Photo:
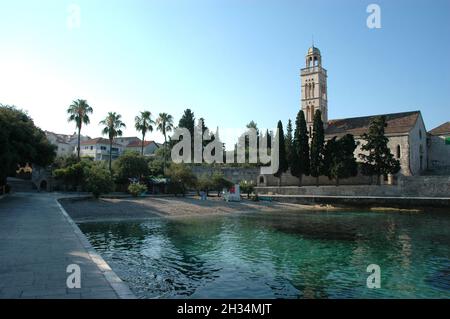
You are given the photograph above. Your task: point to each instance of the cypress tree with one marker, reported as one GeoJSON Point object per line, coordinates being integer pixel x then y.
{"type": "Point", "coordinates": [283, 164]}
{"type": "Point", "coordinates": [378, 159]}
{"type": "Point", "coordinates": [299, 157]}
{"type": "Point", "coordinates": [288, 141]}
{"type": "Point", "coordinates": [317, 144]}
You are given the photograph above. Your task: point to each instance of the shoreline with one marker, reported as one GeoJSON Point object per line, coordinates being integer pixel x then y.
{"type": "Point", "coordinates": [84, 210]}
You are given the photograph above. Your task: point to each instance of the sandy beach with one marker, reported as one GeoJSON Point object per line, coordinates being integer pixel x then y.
{"type": "Point", "coordinates": [139, 208]}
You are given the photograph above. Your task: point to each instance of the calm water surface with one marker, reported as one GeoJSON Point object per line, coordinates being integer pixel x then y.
{"type": "Point", "coordinates": [283, 255]}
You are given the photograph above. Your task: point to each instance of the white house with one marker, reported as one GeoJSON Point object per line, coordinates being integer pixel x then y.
{"type": "Point", "coordinates": [66, 144]}
{"type": "Point", "coordinates": [98, 149]}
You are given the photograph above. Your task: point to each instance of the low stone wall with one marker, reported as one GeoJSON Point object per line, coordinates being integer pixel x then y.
{"type": "Point", "coordinates": [234, 174]}
{"type": "Point", "coordinates": [416, 186]}
{"type": "Point", "coordinates": [288, 180]}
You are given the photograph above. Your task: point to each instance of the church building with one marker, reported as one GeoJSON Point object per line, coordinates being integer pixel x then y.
{"type": "Point", "coordinates": [406, 131]}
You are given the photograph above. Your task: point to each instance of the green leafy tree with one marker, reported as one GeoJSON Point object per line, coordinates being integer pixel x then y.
{"type": "Point", "coordinates": [98, 180]}
{"type": "Point", "coordinates": [155, 166]}
{"type": "Point", "coordinates": [164, 125]}
{"type": "Point", "coordinates": [21, 142]}
{"type": "Point", "coordinates": [73, 175]}
{"type": "Point", "coordinates": [299, 158]}
{"type": "Point", "coordinates": [181, 178]}
{"type": "Point", "coordinates": [317, 145]}
{"type": "Point", "coordinates": [339, 160]}
{"type": "Point", "coordinates": [220, 182]}
{"type": "Point", "coordinates": [282, 160]}
{"type": "Point", "coordinates": [204, 183]}
{"type": "Point", "coordinates": [377, 157]}
{"type": "Point", "coordinates": [130, 165]}
{"type": "Point", "coordinates": [112, 127]}
{"type": "Point", "coordinates": [144, 124]}
{"type": "Point", "coordinates": [79, 112]}
{"type": "Point", "coordinates": [247, 187]}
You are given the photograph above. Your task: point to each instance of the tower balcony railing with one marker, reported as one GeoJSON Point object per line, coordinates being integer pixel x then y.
{"type": "Point", "coordinates": [312, 69]}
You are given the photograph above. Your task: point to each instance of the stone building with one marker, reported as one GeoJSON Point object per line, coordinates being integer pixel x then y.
{"type": "Point", "coordinates": [65, 144]}
{"type": "Point", "coordinates": [439, 146]}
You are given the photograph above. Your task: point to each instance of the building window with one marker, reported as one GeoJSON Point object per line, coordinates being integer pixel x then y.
{"type": "Point", "coordinates": [398, 151]}
{"type": "Point", "coordinates": [92, 147]}
{"type": "Point", "coordinates": [103, 148]}
{"type": "Point", "coordinates": [420, 134]}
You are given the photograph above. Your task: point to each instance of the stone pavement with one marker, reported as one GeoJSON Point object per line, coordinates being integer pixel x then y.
{"type": "Point", "coordinates": [38, 240]}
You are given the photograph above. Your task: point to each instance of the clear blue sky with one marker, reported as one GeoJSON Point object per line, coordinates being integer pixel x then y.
{"type": "Point", "coordinates": [229, 61]}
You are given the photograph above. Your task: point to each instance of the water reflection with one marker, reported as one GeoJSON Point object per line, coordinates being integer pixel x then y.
{"type": "Point", "coordinates": [284, 255]}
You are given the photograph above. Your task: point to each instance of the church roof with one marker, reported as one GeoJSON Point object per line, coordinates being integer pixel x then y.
{"type": "Point", "coordinates": [441, 129]}
{"type": "Point", "coordinates": [397, 123]}
{"type": "Point", "coordinates": [313, 50]}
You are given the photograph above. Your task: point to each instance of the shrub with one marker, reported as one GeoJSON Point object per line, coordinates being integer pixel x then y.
{"type": "Point", "coordinates": [98, 180]}
{"type": "Point", "coordinates": [74, 174]}
{"type": "Point", "coordinates": [136, 189]}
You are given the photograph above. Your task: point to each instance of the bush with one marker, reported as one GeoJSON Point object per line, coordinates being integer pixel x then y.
{"type": "Point", "coordinates": [74, 174]}
{"type": "Point", "coordinates": [136, 189]}
{"type": "Point", "coordinates": [98, 180]}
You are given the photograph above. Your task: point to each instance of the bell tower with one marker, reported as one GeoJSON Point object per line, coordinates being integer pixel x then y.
{"type": "Point", "coordinates": [314, 88]}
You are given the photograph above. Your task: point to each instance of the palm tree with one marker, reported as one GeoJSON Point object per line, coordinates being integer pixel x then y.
{"type": "Point", "coordinates": [78, 111]}
{"type": "Point", "coordinates": [113, 128]}
{"type": "Point", "coordinates": [164, 124]}
{"type": "Point", "coordinates": [143, 124]}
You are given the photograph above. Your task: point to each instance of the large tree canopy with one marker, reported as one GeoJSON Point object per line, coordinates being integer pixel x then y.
{"type": "Point", "coordinates": [21, 142]}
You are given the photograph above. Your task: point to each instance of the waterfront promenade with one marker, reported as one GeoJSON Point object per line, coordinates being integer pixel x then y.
{"type": "Point", "coordinates": [37, 243]}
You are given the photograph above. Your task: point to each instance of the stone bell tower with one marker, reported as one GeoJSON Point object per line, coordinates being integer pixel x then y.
{"type": "Point", "coordinates": [314, 88]}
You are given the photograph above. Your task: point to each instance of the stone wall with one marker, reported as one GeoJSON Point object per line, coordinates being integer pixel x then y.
{"type": "Point", "coordinates": [439, 154]}
{"type": "Point", "coordinates": [420, 186]}
{"type": "Point", "coordinates": [234, 174]}
{"type": "Point", "coordinates": [288, 180]}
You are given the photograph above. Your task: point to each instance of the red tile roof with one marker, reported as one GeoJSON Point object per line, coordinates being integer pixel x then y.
{"type": "Point", "coordinates": [98, 140]}
{"type": "Point", "coordinates": [441, 129]}
{"type": "Point", "coordinates": [397, 123]}
{"type": "Point", "coordinates": [139, 143]}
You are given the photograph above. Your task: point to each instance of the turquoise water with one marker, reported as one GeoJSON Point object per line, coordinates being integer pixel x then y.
{"type": "Point", "coordinates": [282, 255]}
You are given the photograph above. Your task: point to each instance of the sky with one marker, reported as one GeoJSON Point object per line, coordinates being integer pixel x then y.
{"type": "Point", "coordinates": [229, 61]}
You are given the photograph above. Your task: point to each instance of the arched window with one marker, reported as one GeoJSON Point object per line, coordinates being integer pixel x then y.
{"type": "Point", "coordinates": [312, 89]}
{"type": "Point", "coordinates": [420, 134]}
{"type": "Point", "coordinates": [398, 151]}
{"type": "Point", "coordinates": [312, 113]}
